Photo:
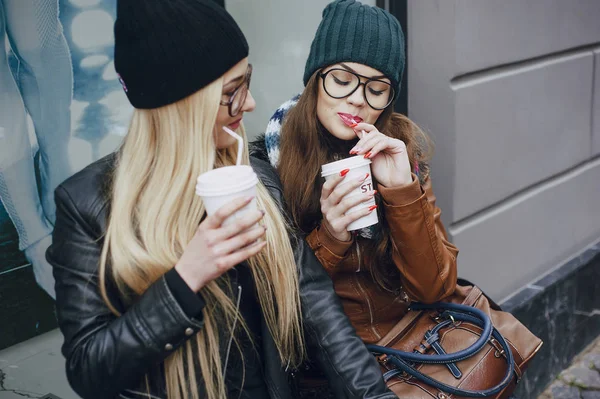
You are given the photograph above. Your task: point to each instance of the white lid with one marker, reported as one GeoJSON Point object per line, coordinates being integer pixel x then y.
{"type": "Point", "coordinates": [348, 163]}
{"type": "Point", "coordinates": [225, 180]}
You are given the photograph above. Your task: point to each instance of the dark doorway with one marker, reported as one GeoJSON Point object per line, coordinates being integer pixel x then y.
{"type": "Point", "coordinates": [398, 8]}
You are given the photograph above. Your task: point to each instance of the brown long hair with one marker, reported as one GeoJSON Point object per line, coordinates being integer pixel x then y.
{"type": "Point", "coordinates": [306, 145]}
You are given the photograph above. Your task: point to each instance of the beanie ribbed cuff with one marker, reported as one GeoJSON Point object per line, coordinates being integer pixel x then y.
{"type": "Point", "coordinates": [353, 32]}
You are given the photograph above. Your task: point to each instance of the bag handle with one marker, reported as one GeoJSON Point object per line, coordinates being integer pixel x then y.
{"type": "Point", "coordinates": [402, 365]}
{"type": "Point", "coordinates": [452, 310]}
{"type": "Point", "coordinates": [471, 315]}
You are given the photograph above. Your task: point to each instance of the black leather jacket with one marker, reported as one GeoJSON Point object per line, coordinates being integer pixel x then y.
{"type": "Point", "coordinates": [108, 356]}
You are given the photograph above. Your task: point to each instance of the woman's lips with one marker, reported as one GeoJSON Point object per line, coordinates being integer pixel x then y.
{"type": "Point", "coordinates": [235, 124]}
{"type": "Point", "coordinates": [349, 119]}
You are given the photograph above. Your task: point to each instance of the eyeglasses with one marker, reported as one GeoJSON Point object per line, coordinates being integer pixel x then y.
{"type": "Point", "coordinates": [238, 97]}
{"type": "Point", "coordinates": [341, 83]}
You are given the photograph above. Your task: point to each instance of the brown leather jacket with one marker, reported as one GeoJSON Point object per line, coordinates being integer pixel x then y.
{"type": "Point", "coordinates": [422, 253]}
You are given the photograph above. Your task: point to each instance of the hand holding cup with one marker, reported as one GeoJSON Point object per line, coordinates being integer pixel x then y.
{"type": "Point", "coordinates": [216, 248]}
{"type": "Point", "coordinates": [347, 196]}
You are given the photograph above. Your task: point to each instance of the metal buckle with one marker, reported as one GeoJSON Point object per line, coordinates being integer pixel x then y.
{"type": "Point", "coordinates": [497, 353]}
{"type": "Point", "coordinates": [383, 359]}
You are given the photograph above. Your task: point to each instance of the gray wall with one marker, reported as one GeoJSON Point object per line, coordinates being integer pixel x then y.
{"type": "Point", "coordinates": [510, 92]}
{"type": "Point", "coordinates": [279, 33]}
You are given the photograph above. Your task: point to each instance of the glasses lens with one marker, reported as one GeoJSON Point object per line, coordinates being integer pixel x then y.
{"type": "Point", "coordinates": [339, 83]}
{"type": "Point", "coordinates": [379, 94]}
{"type": "Point", "coordinates": [238, 99]}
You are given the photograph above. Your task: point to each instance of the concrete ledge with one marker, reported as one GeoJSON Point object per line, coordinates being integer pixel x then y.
{"type": "Point", "coordinates": [563, 309]}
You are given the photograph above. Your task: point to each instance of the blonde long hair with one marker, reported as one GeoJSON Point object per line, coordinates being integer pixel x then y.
{"type": "Point", "coordinates": [154, 215]}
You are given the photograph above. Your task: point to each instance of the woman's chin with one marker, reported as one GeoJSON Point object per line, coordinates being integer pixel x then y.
{"type": "Point", "coordinates": [344, 134]}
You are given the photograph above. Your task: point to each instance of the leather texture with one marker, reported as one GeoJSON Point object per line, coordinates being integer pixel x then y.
{"type": "Point", "coordinates": [421, 252]}
{"type": "Point", "coordinates": [484, 370]}
{"type": "Point", "coordinates": [109, 356]}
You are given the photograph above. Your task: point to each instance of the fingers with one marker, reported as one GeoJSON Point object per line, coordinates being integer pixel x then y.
{"type": "Point", "coordinates": [350, 202]}
{"type": "Point", "coordinates": [229, 261]}
{"type": "Point", "coordinates": [216, 220]}
{"type": "Point", "coordinates": [332, 183]}
{"type": "Point", "coordinates": [354, 216]}
{"type": "Point", "coordinates": [343, 189]}
{"type": "Point", "coordinates": [337, 216]}
{"type": "Point", "coordinates": [239, 241]}
{"type": "Point", "coordinates": [366, 144]}
{"type": "Point", "coordinates": [378, 146]}
{"type": "Point", "coordinates": [367, 127]}
{"type": "Point", "coordinates": [248, 220]}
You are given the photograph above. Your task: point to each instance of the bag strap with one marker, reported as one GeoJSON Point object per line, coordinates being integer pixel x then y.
{"type": "Point", "coordinates": [473, 296]}
{"type": "Point", "coordinates": [407, 321]}
{"type": "Point", "coordinates": [465, 283]}
{"type": "Point", "coordinates": [404, 366]}
{"type": "Point", "coordinates": [451, 310]}
{"type": "Point", "coordinates": [401, 359]}
{"type": "Point", "coordinates": [400, 327]}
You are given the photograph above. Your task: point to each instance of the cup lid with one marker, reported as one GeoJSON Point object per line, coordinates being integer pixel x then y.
{"type": "Point", "coordinates": [348, 163]}
{"type": "Point", "coordinates": [225, 180]}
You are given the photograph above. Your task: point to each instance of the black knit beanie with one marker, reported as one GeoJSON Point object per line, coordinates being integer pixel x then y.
{"type": "Point", "coordinates": [354, 32]}
{"type": "Point", "coordinates": [166, 50]}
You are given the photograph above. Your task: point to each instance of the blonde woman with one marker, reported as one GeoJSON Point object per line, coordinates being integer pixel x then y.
{"type": "Point", "coordinates": [154, 298]}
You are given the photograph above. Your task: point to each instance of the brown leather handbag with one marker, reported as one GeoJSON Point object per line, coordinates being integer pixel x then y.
{"type": "Point", "coordinates": [484, 366]}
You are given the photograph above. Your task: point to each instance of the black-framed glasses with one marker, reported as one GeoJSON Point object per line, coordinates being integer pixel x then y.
{"type": "Point", "coordinates": [238, 97]}
{"type": "Point", "coordinates": [341, 83]}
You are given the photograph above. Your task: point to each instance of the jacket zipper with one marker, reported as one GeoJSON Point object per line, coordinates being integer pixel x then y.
{"type": "Point", "coordinates": [237, 308]}
{"type": "Point", "coordinates": [364, 293]}
{"type": "Point", "coordinates": [358, 254]}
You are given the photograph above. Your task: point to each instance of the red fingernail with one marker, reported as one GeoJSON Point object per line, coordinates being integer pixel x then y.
{"type": "Point", "coordinates": [368, 154]}
{"type": "Point", "coordinates": [344, 172]}
{"type": "Point", "coordinates": [372, 208]}
{"type": "Point", "coordinates": [374, 192]}
{"type": "Point", "coordinates": [352, 152]}
{"type": "Point", "coordinates": [367, 176]}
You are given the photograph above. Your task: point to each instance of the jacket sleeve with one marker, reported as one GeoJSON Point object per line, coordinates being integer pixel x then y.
{"type": "Point", "coordinates": [351, 370]}
{"type": "Point", "coordinates": [329, 250]}
{"type": "Point", "coordinates": [106, 354]}
{"type": "Point", "coordinates": [421, 250]}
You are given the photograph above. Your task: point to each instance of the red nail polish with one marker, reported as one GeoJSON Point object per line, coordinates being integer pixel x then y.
{"type": "Point", "coordinates": [372, 208]}
{"type": "Point", "coordinates": [374, 192]}
{"type": "Point", "coordinates": [368, 154]}
{"type": "Point", "coordinates": [344, 172]}
{"type": "Point", "coordinates": [367, 176]}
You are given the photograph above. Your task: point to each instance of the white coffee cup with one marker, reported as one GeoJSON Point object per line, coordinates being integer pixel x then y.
{"type": "Point", "coordinates": [219, 186]}
{"type": "Point", "coordinates": [358, 167]}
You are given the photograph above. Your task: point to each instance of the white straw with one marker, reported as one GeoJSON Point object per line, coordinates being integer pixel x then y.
{"type": "Point", "coordinates": [240, 141]}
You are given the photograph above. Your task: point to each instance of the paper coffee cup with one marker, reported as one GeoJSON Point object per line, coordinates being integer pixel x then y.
{"type": "Point", "coordinates": [359, 167]}
{"type": "Point", "coordinates": [222, 185]}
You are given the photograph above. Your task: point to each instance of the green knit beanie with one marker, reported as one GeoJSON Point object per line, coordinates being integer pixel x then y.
{"type": "Point", "coordinates": [354, 32]}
